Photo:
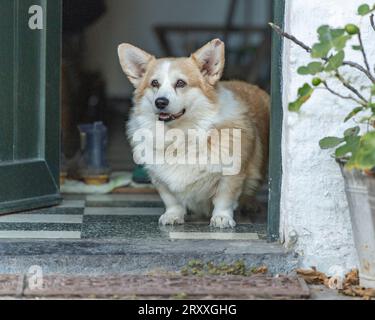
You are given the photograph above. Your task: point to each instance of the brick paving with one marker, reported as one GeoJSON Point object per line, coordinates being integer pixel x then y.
{"type": "Point", "coordinates": [11, 285]}
{"type": "Point", "coordinates": [156, 286]}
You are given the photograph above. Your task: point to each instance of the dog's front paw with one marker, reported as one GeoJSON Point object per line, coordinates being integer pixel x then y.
{"type": "Point", "coordinates": [222, 221]}
{"type": "Point", "coordinates": [172, 217]}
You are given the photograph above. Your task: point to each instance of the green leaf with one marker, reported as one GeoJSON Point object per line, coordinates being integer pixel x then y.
{"type": "Point", "coordinates": [324, 34]}
{"type": "Point", "coordinates": [305, 90]}
{"type": "Point", "coordinates": [372, 107]}
{"type": "Point", "coordinates": [295, 106]}
{"type": "Point", "coordinates": [335, 61]}
{"type": "Point", "coordinates": [350, 147]}
{"type": "Point", "coordinates": [328, 34]}
{"type": "Point", "coordinates": [303, 71]}
{"type": "Point", "coordinates": [352, 132]}
{"type": "Point", "coordinates": [354, 112]}
{"type": "Point", "coordinates": [373, 90]}
{"type": "Point", "coordinates": [329, 38]}
{"type": "Point", "coordinates": [315, 67]}
{"type": "Point", "coordinates": [321, 50]}
{"type": "Point", "coordinates": [336, 33]}
{"type": "Point", "coordinates": [312, 68]}
{"type": "Point", "coordinates": [304, 94]}
{"type": "Point", "coordinates": [364, 157]}
{"type": "Point", "coordinates": [358, 48]}
{"type": "Point", "coordinates": [330, 142]}
{"type": "Point", "coordinates": [364, 9]}
{"type": "Point", "coordinates": [340, 42]}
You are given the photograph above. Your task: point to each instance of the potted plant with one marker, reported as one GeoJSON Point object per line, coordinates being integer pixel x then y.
{"type": "Point", "coordinates": [355, 149]}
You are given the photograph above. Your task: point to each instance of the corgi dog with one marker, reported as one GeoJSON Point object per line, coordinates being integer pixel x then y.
{"type": "Point", "coordinates": [180, 95]}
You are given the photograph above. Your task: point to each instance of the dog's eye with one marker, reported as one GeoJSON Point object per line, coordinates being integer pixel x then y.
{"type": "Point", "coordinates": [155, 84]}
{"type": "Point", "coordinates": [180, 84]}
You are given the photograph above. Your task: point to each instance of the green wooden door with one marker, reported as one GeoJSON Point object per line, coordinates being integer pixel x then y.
{"type": "Point", "coordinates": [29, 105]}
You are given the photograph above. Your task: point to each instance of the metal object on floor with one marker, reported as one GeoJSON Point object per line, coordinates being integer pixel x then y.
{"type": "Point", "coordinates": [94, 170]}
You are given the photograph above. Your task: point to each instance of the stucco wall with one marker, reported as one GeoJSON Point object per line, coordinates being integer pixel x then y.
{"type": "Point", "coordinates": [314, 210]}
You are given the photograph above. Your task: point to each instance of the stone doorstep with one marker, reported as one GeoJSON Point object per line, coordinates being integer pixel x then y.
{"type": "Point", "coordinates": [137, 256]}
{"type": "Point", "coordinates": [158, 286]}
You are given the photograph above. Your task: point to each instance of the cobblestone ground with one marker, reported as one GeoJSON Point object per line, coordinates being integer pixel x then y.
{"type": "Point", "coordinates": [153, 287]}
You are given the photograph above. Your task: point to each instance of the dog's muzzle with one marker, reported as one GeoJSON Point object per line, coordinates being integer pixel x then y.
{"type": "Point", "coordinates": [167, 117]}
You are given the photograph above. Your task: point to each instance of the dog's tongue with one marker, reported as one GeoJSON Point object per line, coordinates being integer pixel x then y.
{"type": "Point", "coordinates": [165, 116]}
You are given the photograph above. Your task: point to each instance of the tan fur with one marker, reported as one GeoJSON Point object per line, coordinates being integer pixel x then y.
{"type": "Point", "coordinates": [187, 67]}
{"type": "Point", "coordinates": [257, 102]}
{"type": "Point", "coordinates": [226, 105]}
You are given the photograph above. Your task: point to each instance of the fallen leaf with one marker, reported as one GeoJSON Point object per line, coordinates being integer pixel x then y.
{"type": "Point", "coordinates": [348, 286]}
{"type": "Point", "coordinates": [352, 278]}
{"type": "Point", "coordinates": [363, 292]}
{"type": "Point", "coordinates": [353, 291]}
{"type": "Point", "coordinates": [312, 276]}
{"type": "Point", "coordinates": [262, 270]}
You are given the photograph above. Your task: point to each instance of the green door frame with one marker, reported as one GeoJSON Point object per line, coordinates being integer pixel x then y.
{"type": "Point", "coordinates": [29, 106]}
{"type": "Point", "coordinates": [34, 181]}
{"type": "Point", "coordinates": [275, 164]}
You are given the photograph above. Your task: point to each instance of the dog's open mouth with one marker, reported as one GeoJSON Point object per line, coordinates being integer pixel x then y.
{"type": "Point", "coordinates": [167, 117]}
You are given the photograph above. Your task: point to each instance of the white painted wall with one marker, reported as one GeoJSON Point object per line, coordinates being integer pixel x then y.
{"type": "Point", "coordinates": [133, 20]}
{"type": "Point", "coordinates": [313, 204]}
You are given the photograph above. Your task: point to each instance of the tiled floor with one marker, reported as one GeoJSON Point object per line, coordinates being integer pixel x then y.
{"type": "Point", "coordinates": [62, 222]}
{"type": "Point", "coordinates": [116, 217]}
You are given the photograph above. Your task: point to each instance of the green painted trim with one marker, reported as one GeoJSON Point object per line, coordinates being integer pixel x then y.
{"type": "Point", "coordinates": [30, 204]}
{"type": "Point", "coordinates": [32, 180]}
{"type": "Point", "coordinates": [275, 165]}
{"type": "Point", "coordinates": [30, 154]}
{"type": "Point", "coordinates": [52, 58]}
{"type": "Point", "coordinates": [7, 79]}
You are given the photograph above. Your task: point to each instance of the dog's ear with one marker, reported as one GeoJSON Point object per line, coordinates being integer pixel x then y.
{"type": "Point", "coordinates": [134, 62]}
{"type": "Point", "coordinates": [211, 60]}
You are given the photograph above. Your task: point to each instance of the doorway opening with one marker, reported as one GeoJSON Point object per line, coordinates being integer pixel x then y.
{"type": "Point", "coordinates": [119, 201]}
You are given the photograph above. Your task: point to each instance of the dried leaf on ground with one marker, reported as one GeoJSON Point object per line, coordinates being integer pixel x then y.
{"type": "Point", "coordinates": [359, 292]}
{"type": "Point", "coordinates": [312, 276]}
{"type": "Point", "coordinates": [351, 286]}
{"type": "Point", "coordinates": [352, 278]}
{"type": "Point", "coordinates": [262, 270]}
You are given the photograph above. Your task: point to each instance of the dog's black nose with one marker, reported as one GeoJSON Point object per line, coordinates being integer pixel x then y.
{"type": "Point", "coordinates": [161, 103]}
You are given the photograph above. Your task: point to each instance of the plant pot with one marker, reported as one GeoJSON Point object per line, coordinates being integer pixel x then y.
{"type": "Point", "coordinates": [360, 192]}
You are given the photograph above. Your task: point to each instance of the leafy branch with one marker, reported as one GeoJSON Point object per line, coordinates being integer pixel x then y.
{"type": "Point", "coordinates": [349, 97]}
{"type": "Point", "coordinates": [309, 50]}
{"type": "Point", "coordinates": [347, 85]}
{"type": "Point", "coordinates": [328, 56]}
{"type": "Point", "coordinates": [363, 51]}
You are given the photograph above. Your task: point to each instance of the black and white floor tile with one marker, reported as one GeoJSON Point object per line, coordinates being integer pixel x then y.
{"type": "Point", "coordinates": [62, 222]}
{"type": "Point", "coordinates": [114, 217]}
